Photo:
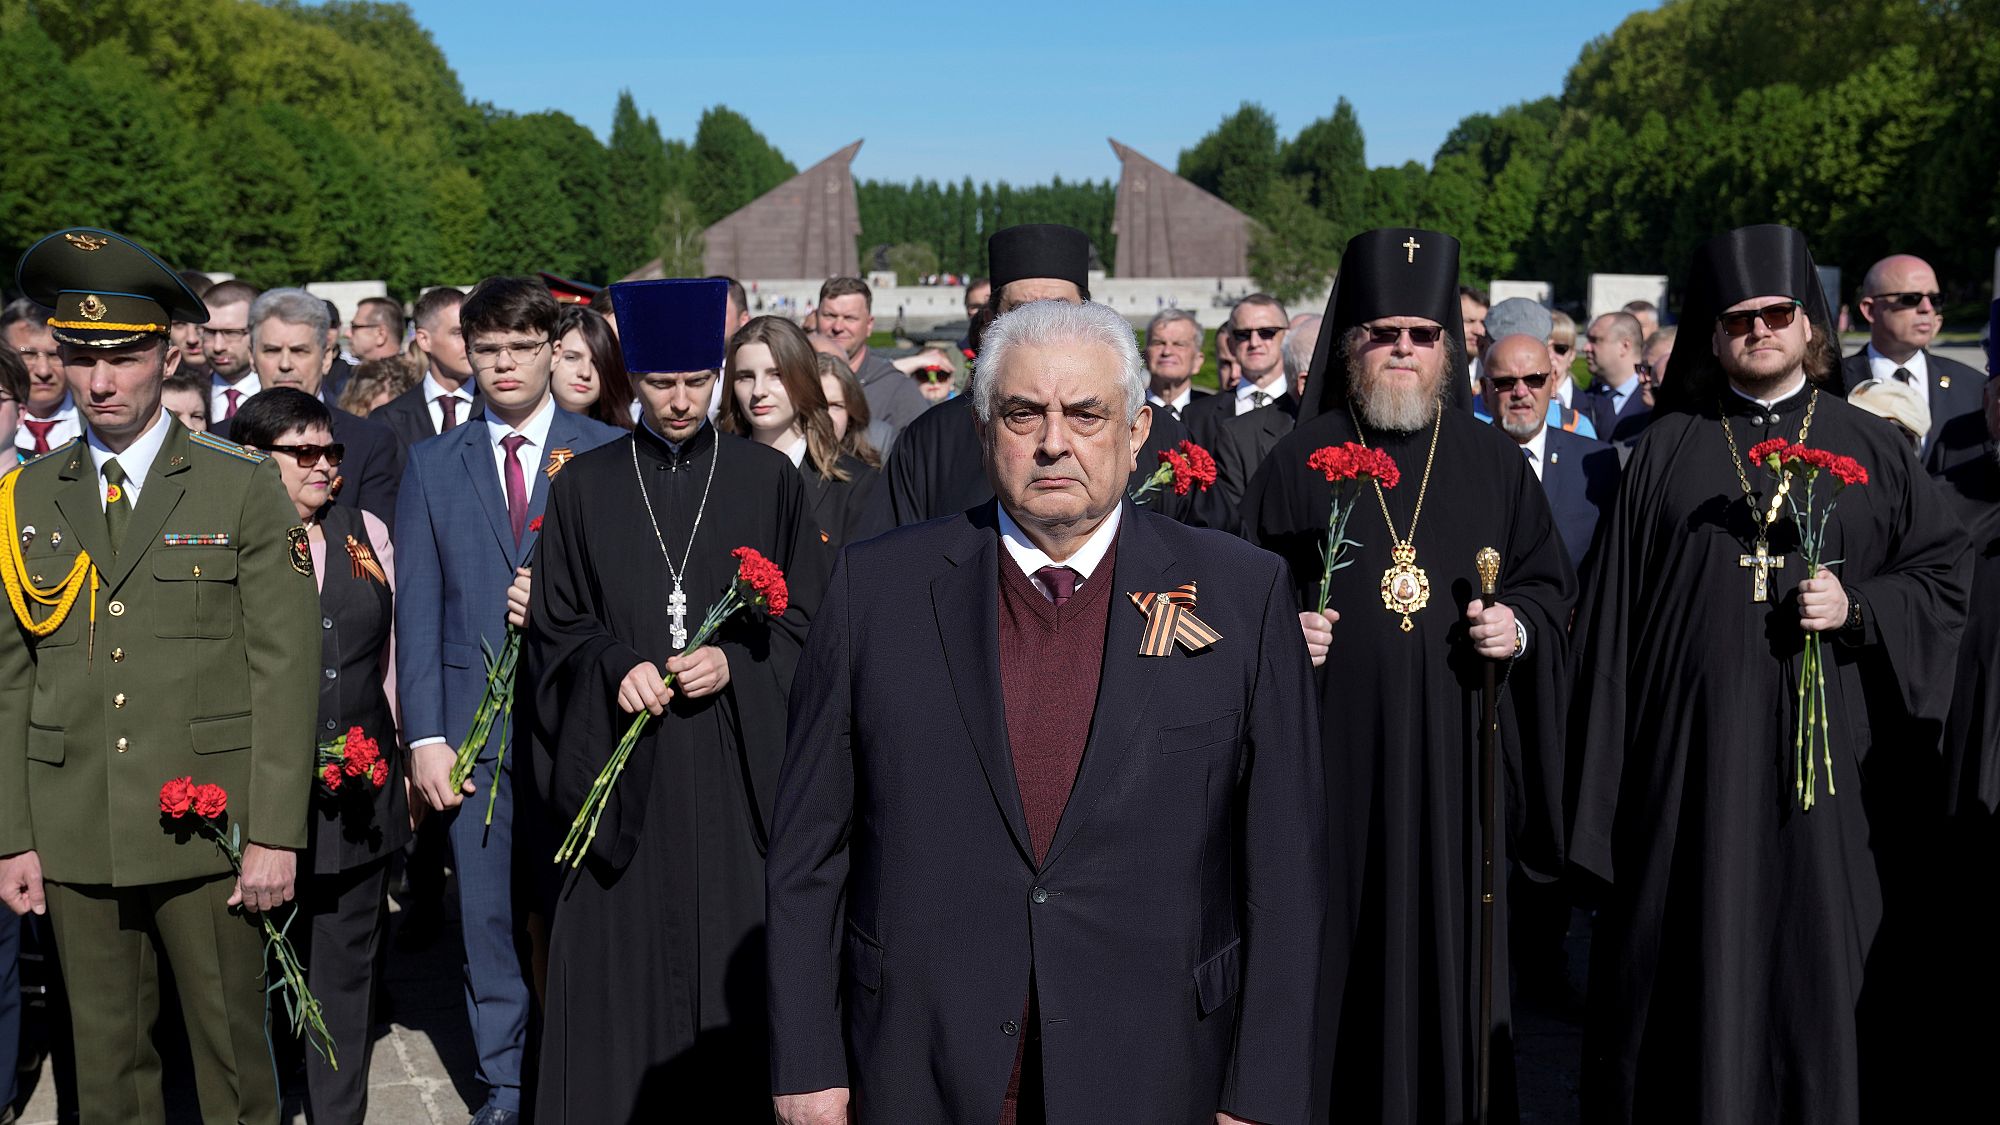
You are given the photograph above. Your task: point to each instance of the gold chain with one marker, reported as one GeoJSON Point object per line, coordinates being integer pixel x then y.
{"type": "Point", "coordinates": [1763, 520]}
{"type": "Point", "coordinates": [1422, 487]}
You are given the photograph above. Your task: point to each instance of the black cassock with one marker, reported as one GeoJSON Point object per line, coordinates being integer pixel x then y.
{"type": "Point", "coordinates": [1400, 729]}
{"type": "Point", "coordinates": [1751, 964]}
{"type": "Point", "coordinates": [937, 468]}
{"type": "Point", "coordinates": [656, 958]}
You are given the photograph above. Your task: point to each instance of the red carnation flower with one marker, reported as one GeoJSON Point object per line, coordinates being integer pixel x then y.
{"type": "Point", "coordinates": [177, 796]}
{"type": "Point", "coordinates": [1763, 450]}
{"type": "Point", "coordinates": [765, 579]}
{"type": "Point", "coordinates": [379, 773]}
{"type": "Point", "coordinates": [1381, 466]}
{"type": "Point", "coordinates": [1201, 465]}
{"type": "Point", "coordinates": [360, 753]}
{"type": "Point", "coordinates": [210, 800]}
{"type": "Point", "coordinates": [1849, 471]}
{"type": "Point", "coordinates": [331, 776]}
{"type": "Point", "coordinates": [535, 524]}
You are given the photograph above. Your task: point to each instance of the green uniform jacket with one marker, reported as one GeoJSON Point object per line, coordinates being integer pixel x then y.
{"type": "Point", "coordinates": [204, 664]}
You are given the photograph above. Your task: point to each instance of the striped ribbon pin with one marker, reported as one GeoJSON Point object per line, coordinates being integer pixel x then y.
{"type": "Point", "coordinates": [1169, 618]}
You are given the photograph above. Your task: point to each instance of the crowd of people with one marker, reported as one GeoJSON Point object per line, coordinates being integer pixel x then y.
{"type": "Point", "coordinates": [1111, 749]}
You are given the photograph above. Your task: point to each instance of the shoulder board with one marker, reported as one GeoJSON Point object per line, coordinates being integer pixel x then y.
{"type": "Point", "coordinates": [222, 446]}
{"type": "Point", "coordinates": [65, 447]}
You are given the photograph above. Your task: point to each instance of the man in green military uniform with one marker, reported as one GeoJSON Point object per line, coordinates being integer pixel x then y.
{"type": "Point", "coordinates": [162, 624]}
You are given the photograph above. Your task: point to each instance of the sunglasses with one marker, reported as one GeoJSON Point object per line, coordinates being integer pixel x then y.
{"type": "Point", "coordinates": [1563, 349]}
{"type": "Point", "coordinates": [1505, 383]}
{"type": "Point", "coordinates": [309, 455]}
{"type": "Point", "coordinates": [1423, 336]}
{"type": "Point", "coordinates": [932, 375]}
{"type": "Point", "coordinates": [1242, 335]}
{"type": "Point", "coordinates": [1909, 300]}
{"type": "Point", "coordinates": [1774, 317]}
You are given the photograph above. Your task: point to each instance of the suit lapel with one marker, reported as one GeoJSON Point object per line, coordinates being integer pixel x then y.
{"type": "Point", "coordinates": [477, 456]}
{"type": "Point", "coordinates": [77, 500]}
{"type": "Point", "coordinates": [158, 497]}
{"type": "Point", "coordinates": [1126, 686]}
{"type": "Point", "coordinates": [966, 600]}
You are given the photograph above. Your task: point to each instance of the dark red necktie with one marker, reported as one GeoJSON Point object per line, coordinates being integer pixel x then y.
{"type": "Point", "coordinates": [517, 485]}
{"type": "Point", "coordinates": [447, 410]}
{"type": "Point", "coordinates": [235, 397]}
{"type": "Point", "coordinates": [41, 432]}
{"type": "Point", "coordinates": [1059, 581]}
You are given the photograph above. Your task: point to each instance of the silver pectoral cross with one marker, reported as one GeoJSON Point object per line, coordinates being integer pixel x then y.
{"type": "Point", "coordinates": [677, 611]}
{"type": "Point", "coordinates": [1763, 562]}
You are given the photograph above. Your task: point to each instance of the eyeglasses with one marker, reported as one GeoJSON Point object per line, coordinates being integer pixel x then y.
{"type": "Point", "coordinates": [1643, 370]}
{"type": "Point", "coordinates": [309, 455]}
{"type": "Point", "coordinates": [1775, 317]}
{"type": "Point", "coordinates": [356, 326]}
{"type": "Point", "coordinates": [1242, 335]}
{"type": "Point", "coordinates": [932, 375]}
{"type": "Point", "coordinates": [1422, 336]}
{"type": "Point", "coordinates": [1562, 349]}
{"type": "Point", "coordinates": [225, 333]}
{"type": "Point", "coordinates": [30, 355]}
{"type": "Point", "coordinates": [1505, 383]}
{"type": "Point", "coordinates": [1908, 300]}
{"type": "Point", "coordinates": [520, 351]}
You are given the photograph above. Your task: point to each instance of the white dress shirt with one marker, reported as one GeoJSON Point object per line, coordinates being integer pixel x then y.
{"type": "Point", "coordinates": [66, 427]}
{"type": "Point", "coordinates": [1623, 391]}
{"type": "Point", "coordinates": [1882, 367]}
{"type": "Point", "coordinates": [1031, 558]}
{"type": "Point", "coordinates": [795, 449]}
{"type": "Point", "coordinates": [137, 460]}
{"type": "Point", "coordinates": [246, 387]}
{"type": "Point", "coordinates": [1178, 403]}
{"type": "Point", "coordinates": [1275, 388]}
{"type": "Point", "coordinates": [535, 429]}
{"type": "Point", "coordinates": [433, 391]}
{"type": "Point", "coordinates": [1536, 449]}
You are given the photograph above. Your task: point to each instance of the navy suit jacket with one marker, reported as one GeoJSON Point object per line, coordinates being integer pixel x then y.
{"type": "Point", "coordinates": [1955, 390]}
{"type": "Point", "coordinates": [455, 558]}
{"type": "Point", "coordinates": [370, 466]}
{"type": "Point", "coordinates": [1172, 933]}
{"type": "Point", "coordinates": [1580, 479]}
{"type": "Point", "coordinates": [1597, 403]}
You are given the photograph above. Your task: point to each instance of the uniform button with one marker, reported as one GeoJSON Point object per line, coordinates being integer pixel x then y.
{"type": "Point", "coordinates": [117, 609]}
{"type": "Point", "coordinates": [1040, 895]}
{"type": "Point", "coordinates": [326, 622]}
{"type": "Point", "coordinates": [197, 572]}
{"type": "Point", "coordinates": [123, 746]}
{"type": "Point", "coordinates": [117, 654]}
{"type": "Point", "coordinates": [118, 700]}
{"type": "Point", "coordinates": [331, 673]}
{"type": "Point", "coordinates": [1010, 1028]}
{"type": "Point", "coordinates": [330, 724]}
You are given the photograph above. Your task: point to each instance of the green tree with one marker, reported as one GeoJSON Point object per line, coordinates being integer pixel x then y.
{"type": "Point", "coordinates": [732, 164]}
{"type": "Point", "coordinates": [912, 261]}
{"type": "Point", "coordinates": [1238, 161]}
{"type": "Point", "coordinates": [636, 164]}
{"type": "Point", "coordinates": [678, 240]}
{"type": "Point", "coordinates": [1296, 251]}
{"type": "Point", "coordinates": [1329, 159]}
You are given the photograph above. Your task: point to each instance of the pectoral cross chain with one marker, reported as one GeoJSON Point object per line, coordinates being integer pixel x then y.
{"type": "Point", "coordinates": [1762, 563]}
{"type": "Point", "coordinates": [677, 611]}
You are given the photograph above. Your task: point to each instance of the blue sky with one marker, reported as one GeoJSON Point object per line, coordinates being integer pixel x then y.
{"type": "Point", "coordinates": [1017, 91]}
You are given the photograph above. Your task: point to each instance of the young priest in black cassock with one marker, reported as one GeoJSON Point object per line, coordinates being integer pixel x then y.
{"type": "Point", "coordinates": [1400, 706]}
{"type": "Point", "coordinates": [1738, 969]}
{"type": "Point", "coordinates": [937, 468]}
{"type": "Point", "coordinates": [656, 974]}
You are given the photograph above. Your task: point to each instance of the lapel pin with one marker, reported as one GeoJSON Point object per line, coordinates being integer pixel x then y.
{"type": "Point", "coordinates": [27, 535]}
{"type": "Point", "coordinates": [55, 537]}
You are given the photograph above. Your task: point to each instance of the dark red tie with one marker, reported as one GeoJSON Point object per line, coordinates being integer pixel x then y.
{"type": "Point", "coordinates": [447, 410]}
{"type": "Point", "coordinates": [517, 485]}
{"type": "Point", "coordinates": [41, 432]}
{"type": "Point", "coordinates": [235, 397]}
{"type": "Point", "coordinates": [1059, 581]}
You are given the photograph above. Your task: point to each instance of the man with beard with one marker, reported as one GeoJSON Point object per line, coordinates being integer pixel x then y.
{"type": "Point", "coordinates": [1742, 970]}
{"type": "Point", "coordinates": [1399, 982]}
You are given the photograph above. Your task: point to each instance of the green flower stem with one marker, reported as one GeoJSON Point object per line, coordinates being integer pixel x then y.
{"type": "Point", "coordinates": [1161, 476]}
{"type": "Point", "coordinates": [1336, 539]}
{"type": "Point", "coordinates": [302, 1008]}
{"type": "Point", "coordinates": [496, 706]}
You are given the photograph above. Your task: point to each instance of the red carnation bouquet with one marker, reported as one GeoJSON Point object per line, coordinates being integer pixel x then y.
{"type": "Point", "coordinates": [496, 709]}
{"type": "Point", "coordinates": [1812, 740]}
{"type": "Point", "coordinates": [759, 582]}
{"type": "Point", "coordinates": [352, 763]}
{"type": "Point", "coordinates": [1347, 467]}
{"type": "Point", "coordinates": [207, 805]}
{"type": "Point", "coordinates": [1187, 467]}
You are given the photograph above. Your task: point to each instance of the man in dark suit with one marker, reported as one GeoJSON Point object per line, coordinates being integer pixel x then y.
{"type": "Point", "coordinates": [1241, 443]}
{"type": "Point", "coordinates": [289, 348]}
{"type": "Point", "coordinates": [1256, 331]}
{"type": "Point", "coordinates": [1579, 474]}
{"type": "Point", "coordinates": [470, 507]}
{"type": "Point", "coordinates": [1173, 359]}
{"type": "Point", "coordinates": [1899, 300]}
{"type": "Point", "coordinates": [447, 394]}
{"type": "Point", "coordinates": [1090, 885]}
{"type": "Point", "coordinates": [1613, 347]}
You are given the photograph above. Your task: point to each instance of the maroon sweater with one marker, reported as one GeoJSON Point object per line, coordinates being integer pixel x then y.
{"type": "Point", "coordinates": [1050, 662]}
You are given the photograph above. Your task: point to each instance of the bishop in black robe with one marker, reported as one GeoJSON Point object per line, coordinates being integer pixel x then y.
{"type": "Point", "coordinates": [656, 974]}
{"type": "Point", "coordinates": [1399, 978]}
{"type": "Point", "coordinates": [1736, 976]}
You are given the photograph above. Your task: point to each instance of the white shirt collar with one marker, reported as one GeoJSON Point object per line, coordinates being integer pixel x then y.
{"type": "Point", "coordinates": [434, 390]}
{"type": "Point", "coordinates": [138, 458]}
{"type": "Point", "coordinates": [1178, 402]}
{"type": "Point", "coordinates": [1537, 448]}
{"type": "Point", "coordinates": [536, 429]}
{"type": "Point", "coordinates": [1882, 367]}
{"type": "Point", "coordinates": [65, 411]}
{"type": "Point", "coordinates": [246, 382]}
{"type": "Point", "coordinates": [1084, 560]}
{"type": "Point", "coordinates": [1275, 388]}
{"type": "Point", "coordinates": [796, 450]}
{"type": "Point", "coordinates": [1788, 392]}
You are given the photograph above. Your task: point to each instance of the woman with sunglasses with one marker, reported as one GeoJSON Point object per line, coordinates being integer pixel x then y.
{"type": "Point", "coordinates": [775, 398]}
{"type": "Point", "coordinates": [343, 875]}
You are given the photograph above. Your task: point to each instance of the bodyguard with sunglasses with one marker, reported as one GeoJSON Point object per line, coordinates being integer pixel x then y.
{"type": "Point", "coordinates": [1256, 331]}
{"type": "Point", "coordinates": [1901, 303]}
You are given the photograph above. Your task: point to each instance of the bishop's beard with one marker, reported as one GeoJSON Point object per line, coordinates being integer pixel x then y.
{"type": "Point", "coordinates": [1403, 406]}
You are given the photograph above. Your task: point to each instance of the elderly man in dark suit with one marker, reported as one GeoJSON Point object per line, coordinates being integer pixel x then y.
{"type": "Point", "coordinates": [1900, 302]}
{"type": "Point", "coordinates": [1579, 474]}
{"type": "Point", "coordinates": [447, 394]}
{"type": "Point", "coordinates": [1089, 885]}
{"type": "Point", "coordinates": [289, 348]}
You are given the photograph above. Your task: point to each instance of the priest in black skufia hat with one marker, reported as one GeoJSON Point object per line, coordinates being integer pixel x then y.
{"type": "Point", "coordinates": [1402, 645]}
{"type": "Point", "coordinates": [1746, 963]}
{"type": "Point", "coordinates": [938, 467]}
